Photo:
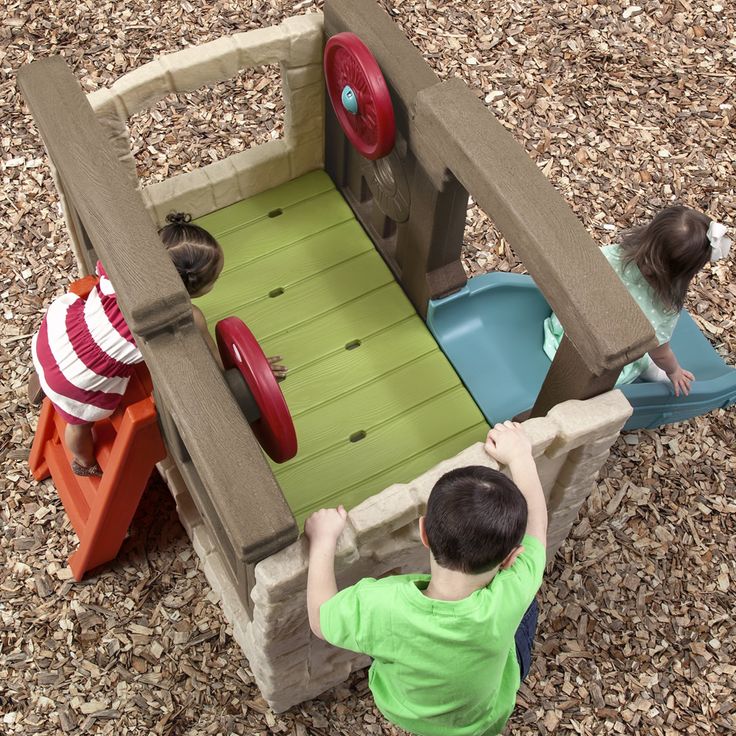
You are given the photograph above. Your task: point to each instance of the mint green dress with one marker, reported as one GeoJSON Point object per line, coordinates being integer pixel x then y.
{"type": "Point", "coordinates": [663, 320]}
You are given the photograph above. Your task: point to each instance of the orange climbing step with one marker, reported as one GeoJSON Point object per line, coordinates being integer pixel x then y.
{"type": "Point", "coordinates": [128, 444]}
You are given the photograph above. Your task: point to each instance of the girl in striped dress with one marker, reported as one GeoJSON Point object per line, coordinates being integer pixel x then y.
{"type": "Point", "coordinates": [84, 353]}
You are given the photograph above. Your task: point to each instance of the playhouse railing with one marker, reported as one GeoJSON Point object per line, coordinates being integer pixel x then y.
{"type": "Point", "coordinates": [216, 452]}
{"type": "Point", "coordinates": [449, 144]}
{"type": "Point", "coordinates": [604, 327]}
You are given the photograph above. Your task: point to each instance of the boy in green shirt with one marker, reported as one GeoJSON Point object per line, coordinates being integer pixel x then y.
{"type": "Point", "coordinates": [449, 649]}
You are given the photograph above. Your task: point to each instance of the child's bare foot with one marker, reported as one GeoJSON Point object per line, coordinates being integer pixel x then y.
{"type": "Point", "coordinates": [79, 442]}
{"type": "Point", "coordinates": [86, 471]}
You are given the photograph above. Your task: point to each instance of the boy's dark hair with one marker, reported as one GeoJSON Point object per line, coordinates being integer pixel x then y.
{"type": "Point", "coordinates": [195, 253]}
{"type": "Point", "coordinates": [669, 251]}
{"type": "Point", "coordinates": [475, 517]}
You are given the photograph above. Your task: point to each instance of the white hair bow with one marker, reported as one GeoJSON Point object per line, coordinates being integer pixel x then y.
{"type": "Point", "coordinates": [720, 245]}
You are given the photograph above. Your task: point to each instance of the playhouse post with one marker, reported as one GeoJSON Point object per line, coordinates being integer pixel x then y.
{"type": "Point", "coordinates": [569, 378]}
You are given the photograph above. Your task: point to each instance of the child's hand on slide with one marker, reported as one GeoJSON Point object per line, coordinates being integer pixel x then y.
{"type": "Point", "coordinates": [681, 380]}
{"type": "Point", "coordinates": [279, 371]}
{"type": "Point", "coordinates": [507, 443]}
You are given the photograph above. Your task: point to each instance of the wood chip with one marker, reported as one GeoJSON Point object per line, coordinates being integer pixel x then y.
{"type": "Point", "coordinates": [626, 109]}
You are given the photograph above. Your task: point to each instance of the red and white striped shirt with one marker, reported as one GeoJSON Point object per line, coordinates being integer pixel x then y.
{"type": "Point", "coordinates": [84, 353]}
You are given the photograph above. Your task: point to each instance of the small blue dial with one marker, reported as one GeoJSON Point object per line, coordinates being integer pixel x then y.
{"type": "Point", "coordinates": [349, 100]}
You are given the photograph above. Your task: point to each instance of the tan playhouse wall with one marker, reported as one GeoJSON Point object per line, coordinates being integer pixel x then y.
{"type": "Point", "coordinates": [296, 45]}
{"type": "Point", "coordinates": [290, 665]}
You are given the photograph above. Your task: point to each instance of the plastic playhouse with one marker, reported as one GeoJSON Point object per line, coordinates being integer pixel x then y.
{"type": "Point", "coordinates": [341, 238]}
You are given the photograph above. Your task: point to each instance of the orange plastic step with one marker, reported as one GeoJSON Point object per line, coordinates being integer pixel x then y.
{"type": "Point", "coordinates": [128, 445]}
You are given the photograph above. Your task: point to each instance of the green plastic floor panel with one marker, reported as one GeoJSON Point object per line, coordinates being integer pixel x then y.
{"type": "Point", "coordinates": [374, 400]}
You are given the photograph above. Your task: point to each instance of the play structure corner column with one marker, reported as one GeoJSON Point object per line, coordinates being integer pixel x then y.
{"type": "Point", "coordinates": [586, 431]}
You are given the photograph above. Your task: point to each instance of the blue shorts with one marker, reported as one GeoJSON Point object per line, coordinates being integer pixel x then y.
{"type": "Point", "coordinates": [524, 638]}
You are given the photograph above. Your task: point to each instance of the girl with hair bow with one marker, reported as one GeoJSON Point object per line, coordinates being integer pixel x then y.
{"type": "Point", "coordinates": [657, 262]}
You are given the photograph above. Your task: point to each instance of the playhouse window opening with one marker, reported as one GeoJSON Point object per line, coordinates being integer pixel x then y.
{"type": "Point", "coordinates": [484, 247]}
{"type": "Point", "coordinates": [389, 228]}
{"type": "Point", "coordinates": [365, 191]}
{"type": "Point", "coordinates": [187, 130]}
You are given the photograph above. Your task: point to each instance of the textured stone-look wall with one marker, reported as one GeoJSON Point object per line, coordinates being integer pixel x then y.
{"type": "Point", "coordinates": [291, 665]}
{"type": "Point", "coordinates": [296, 45]}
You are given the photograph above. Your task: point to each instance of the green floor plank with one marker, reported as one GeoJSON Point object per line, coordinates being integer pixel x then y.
{"type": "Point", "coordinates": [409, 434]}
{"type": "Point", "coordinates": [285, 267]}
{"type": "Point", "coordinates": [313, 289]}
{"type": "Point", "coordinates": [268, 234]}
{"type": "Point", "coordinates": [357, 320]}
{"type": "Point", "coordinates": [345, 370]}
{"type": "Point", "coordinates": [308, 299]}
{"type": "Point", "coordinates": [223, 221]}
{"type": "Point", "coordinates": [406, 470]}
{"type": "Point", "coordinates": [363, 408]}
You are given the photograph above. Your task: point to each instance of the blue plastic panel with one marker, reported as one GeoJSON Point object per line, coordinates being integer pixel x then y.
{"type": "Point", "coordinates": [491, 330]}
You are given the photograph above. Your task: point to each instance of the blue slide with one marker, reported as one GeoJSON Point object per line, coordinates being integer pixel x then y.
{"type": "Point", "coordinates": [491, 330]}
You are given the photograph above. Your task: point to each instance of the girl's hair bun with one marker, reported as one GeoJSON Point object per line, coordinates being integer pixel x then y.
{"type": "Point", "coordinates": [178, 218]}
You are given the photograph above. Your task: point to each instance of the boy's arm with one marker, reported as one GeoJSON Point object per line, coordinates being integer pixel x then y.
{"type": "Point", "coordinates": [524, 474]}
{"type": "Point", "coordinates": [322, 528]}
{"type": "Point", "coordinates": [508, 444]}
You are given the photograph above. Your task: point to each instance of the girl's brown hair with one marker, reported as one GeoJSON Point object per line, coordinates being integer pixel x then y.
{"type": "Point", "coordinates": [195, 253]}
{"type": "Point", "coordinates": [669, 251]}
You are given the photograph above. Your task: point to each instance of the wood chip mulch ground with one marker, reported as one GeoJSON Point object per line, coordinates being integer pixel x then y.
{"type": "Point", "coordinates": [625, 108]}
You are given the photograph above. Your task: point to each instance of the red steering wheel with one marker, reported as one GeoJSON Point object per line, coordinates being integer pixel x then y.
{"type": "Point", "coordinates": [359, 95]}
{"type": "Point", "coordinates": [274, 428]}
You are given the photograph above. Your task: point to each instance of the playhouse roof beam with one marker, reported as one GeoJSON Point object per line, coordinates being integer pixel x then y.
{"type": "Point", "coordinates": [111, 211]}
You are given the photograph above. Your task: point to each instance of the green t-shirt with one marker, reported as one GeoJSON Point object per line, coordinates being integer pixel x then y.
{"type": "Point", "coordinates": [439, 667]}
